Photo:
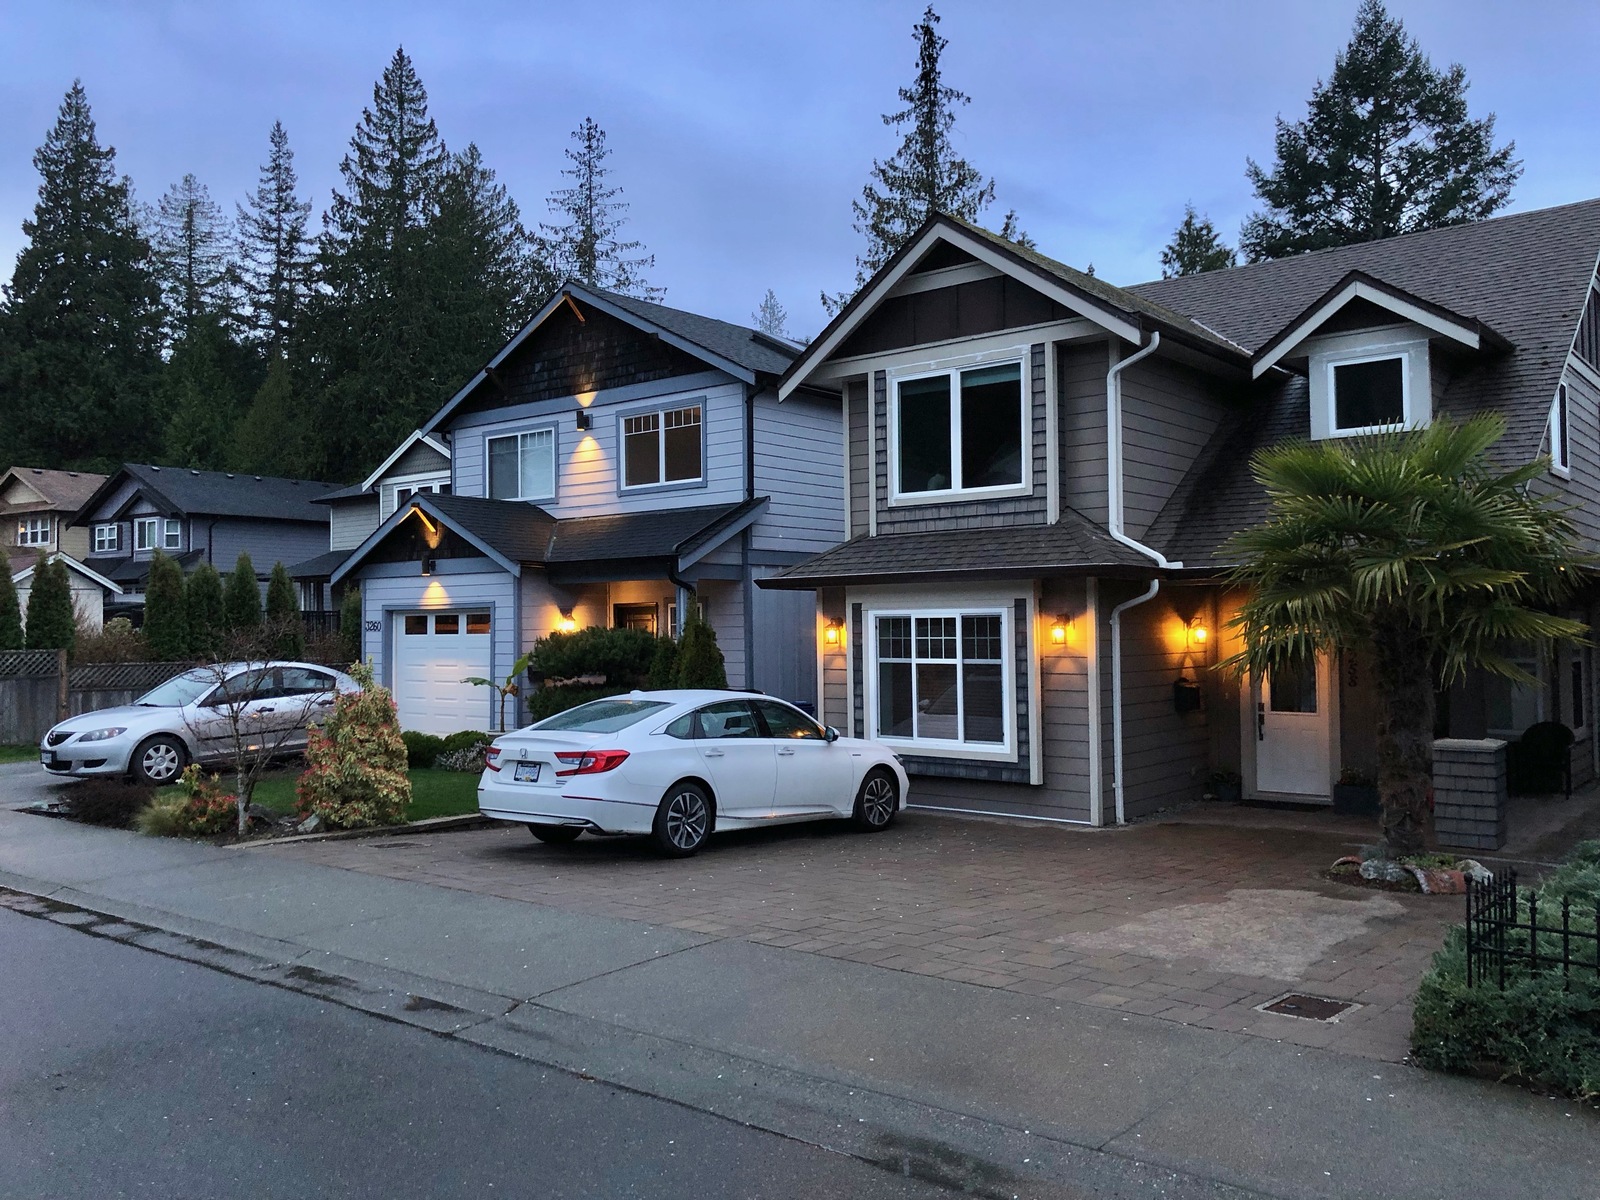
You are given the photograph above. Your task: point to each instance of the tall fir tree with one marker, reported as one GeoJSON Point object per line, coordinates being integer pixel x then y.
{"type": "Point", "coordinates": [771, 317]}
{"type": "Point", "coordinates": [272, 435]}
{"type": "Point", "coordinates": [275, 250]}
{"type": "Point", "coordinates": [1195, 247]}
{"type": "Point", "coordinates": [166, 616]}
{"type": "Point", "coordinates": [202, 389]}
{"type": "Point", "coordinates": [203, 608]}
{"type": "Point", "coordinates": [193, 256]}
{"type": "Point", "coordinates": [241, 598]}
{"type": "Point", "coordinates": [1386, 148]}
{"type": "Point", "coordinates": [80, 329]}
{"type": "Point", "coordinates": [585, 245]}
{"type": "Point", "coordinates": [925, 175]}
{"type": "Point", "coordinates": [10, 608]}
{"type": "Point", "coordinates": [52, 619]}
{"type": "Point", "coordinates": [284, 626]}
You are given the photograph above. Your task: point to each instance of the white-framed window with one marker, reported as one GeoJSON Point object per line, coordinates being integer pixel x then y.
{"type": "Point", "coordinates": [107, 538]}
{"type": "Point", "coordinates": [1368, 394]}
{"type": "Point", "coordinates": [960, 431]}
{"type": "Point", "coordinates": [664, 445]}
{"type": "Point", "coordinates": [1370, 381]}
{"type": "Point", "coordinates": [1560, 458]}
{"type": "Point", "coordinates": [398, 492]}
{"type": "Point", "coordinates": [34, 531]}
{"type": "Point", "coordinates": [939, 679]}
{"type": "Point", "coordinates": [157, 533]}
{"type": "Point", "coordinates": [522, 466]}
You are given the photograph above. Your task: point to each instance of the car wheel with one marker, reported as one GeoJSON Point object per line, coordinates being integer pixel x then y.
{"type": "Point", "coordinates": [683, 820]}
{"type": "Point", "coordinates": [159, 760]}
{"type": "Point", "coordinates": [877, 801]}
{"type": "Point", "coordinates": [556, 835]}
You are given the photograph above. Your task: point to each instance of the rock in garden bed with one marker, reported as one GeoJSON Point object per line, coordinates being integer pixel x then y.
{"type": "Point", "coordinates": [1427, 874]}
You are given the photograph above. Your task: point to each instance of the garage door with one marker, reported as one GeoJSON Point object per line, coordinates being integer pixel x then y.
{"type": "Point", "coordinates": [433, 653]}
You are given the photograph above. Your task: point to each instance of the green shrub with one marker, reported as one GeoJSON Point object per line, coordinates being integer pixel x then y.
{"type": "Point", "coordinates": [466, 739]}
{"type": "Point", "coordinates": [117, 641]}
{"type": "Point", "coordinates": [162, 817]}
{"type": "Point", "coordinates": [106, 801]}
{"type": "Point", "coordinates": [548, 701]}
{"type": "Point", "coordinates": [285, 631]}
{"type": "Point", "coordinates": [421, 748]}
{"type": "Point", "coordinates": [52, 621]}
{"type": "Point", "coordinates": [663, 665]}
{"type": "Point", "coordinates": [356, 762]}
{"type": "Point", "coordinates": [241, 598]}
{"type": "Point", "coordinates": [202, 598]}
{"type": "Point", "coordinates": [203, 807]}
{"type": "Point", "coordinates": [620, 656]}
{"type": "Point", "coordinates": [166, 617]}
{"type": "Point", "coordinates": [350, 626]}
{"type": "Point", "coordinates": [10, 609]}
{"type": "Point", "coordinates": [700, 662]}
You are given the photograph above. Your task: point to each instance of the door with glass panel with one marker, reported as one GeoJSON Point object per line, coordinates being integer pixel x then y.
{"type": "Point", "coordinates": [1293, 730]}
{"type": "Point", "coordinates": [940, 679]}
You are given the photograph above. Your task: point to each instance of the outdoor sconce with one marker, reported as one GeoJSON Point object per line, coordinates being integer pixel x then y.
{"type": "Point", "coordinates": [427, 564]}
{"type": "Point", "coordinates": [1059, 628]}
{"type": "Point", "coordinates": [1198, 633]}
{"type": "Point", "coordinates": [584, 420]}
{"type": "Point", "coordinates": [831, 633]}
{"type": "Point", "coordinates": [567, 624]}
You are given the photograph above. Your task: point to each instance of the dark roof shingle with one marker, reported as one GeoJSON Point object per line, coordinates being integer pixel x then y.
{"type": "Point", "coordinates": [225, 494]}
{"type": "Point", "coordinates": [737, 343]}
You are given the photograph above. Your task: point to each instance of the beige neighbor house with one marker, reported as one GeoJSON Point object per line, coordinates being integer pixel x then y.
{"type": "Point", "coordinates": [36, 510]}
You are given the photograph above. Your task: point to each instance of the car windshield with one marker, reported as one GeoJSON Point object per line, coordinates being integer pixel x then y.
{"type": "Point", "coordinates": [179, 690]}
{"type": "Point", "coordinates": [603, 716]}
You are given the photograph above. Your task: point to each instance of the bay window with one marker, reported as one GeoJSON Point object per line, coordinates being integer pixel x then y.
{"type": "Point", "coordinates": [157, 533]}
{"type": "Point", "coordinates": [960, 431]}
{"type": "Point", "coordinates": [663, 446]}
{"type": "Point", "coordinates": [522, 466]}
{"type": "Point", "coordinates": [940, 678]}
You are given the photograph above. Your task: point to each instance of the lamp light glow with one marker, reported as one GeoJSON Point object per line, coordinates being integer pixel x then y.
{"type": "Point", "coordinates": [567, 624]}
{"type": "Point", "coordinates": [831, 633]}
{"type": "Point", "coordinates": [1198, 634]}
{"type": "Point", "coordinates": [1059, 628]}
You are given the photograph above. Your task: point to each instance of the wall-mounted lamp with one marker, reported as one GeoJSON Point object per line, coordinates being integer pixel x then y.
{"type": "Point", "coordinates": [427, 564]}
{"type": "Point", "coordinates": [1198, 633]}
{"type": "Point", "coordinates": [832, 633]}
{"type": "Point", "coordinates": [585, 420]}
{"type": "Point", "coordinates": [566, 624]}
{"type": "Point", "coordinates": [1059, 628]}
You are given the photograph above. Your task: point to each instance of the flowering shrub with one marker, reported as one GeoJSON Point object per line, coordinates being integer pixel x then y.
{"type": "Point", "coordinates": [201, 808]}
{"type": "Point", "coordinates": [356, 763]}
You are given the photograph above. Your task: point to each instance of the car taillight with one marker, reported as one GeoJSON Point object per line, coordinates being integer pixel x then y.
{"type": "Point", "coordinates": [589, 762]}
{"type": "Point", "coordinates": [491, 758]}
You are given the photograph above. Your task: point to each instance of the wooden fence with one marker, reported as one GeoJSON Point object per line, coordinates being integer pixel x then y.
{"type": "Point", "coordinates": [38, 688]}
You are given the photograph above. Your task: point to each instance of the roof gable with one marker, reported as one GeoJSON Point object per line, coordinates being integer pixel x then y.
{"type": "Point", "coordinates": [64, 491]}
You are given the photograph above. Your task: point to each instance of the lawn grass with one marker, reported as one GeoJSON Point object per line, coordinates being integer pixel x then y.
{"type": "Point", "coordinates": [11, 754]}
{"type": "Point", "coordinates": [433, 793]}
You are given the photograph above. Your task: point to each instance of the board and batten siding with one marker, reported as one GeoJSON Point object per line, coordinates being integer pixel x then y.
{"type": "Point", "coordinates": [588, 465]}
{"type": "Point", "coordinates": [832, 684]}
{"type": "Point", "coordinates": [783, 659]}
{"type": "Point", "coordinates": [1169, 413]}
{"type": "Point", "coordinates": [1583, 457]}
{"type": "Point", "coordinates": [799, 464]}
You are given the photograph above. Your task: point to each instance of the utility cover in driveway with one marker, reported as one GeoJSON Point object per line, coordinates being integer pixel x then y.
{"type": "Point", "coordinates": [1308, 1008]}
{"type": "Point", "coordinates": [433, 653]}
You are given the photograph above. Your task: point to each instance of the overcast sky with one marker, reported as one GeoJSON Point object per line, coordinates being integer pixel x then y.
{"type": "Point", "coordinates": [741, 131]}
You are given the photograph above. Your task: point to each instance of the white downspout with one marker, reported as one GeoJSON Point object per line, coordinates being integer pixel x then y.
{"type": "Point", "coordinates": [1114, 525]}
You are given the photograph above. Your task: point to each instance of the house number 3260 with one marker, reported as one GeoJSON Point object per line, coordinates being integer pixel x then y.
{"type": "Point", "coordinates": [372, 626]}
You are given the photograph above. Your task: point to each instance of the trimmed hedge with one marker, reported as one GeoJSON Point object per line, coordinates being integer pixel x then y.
{"type": "Point", "coordinates": [423, 749]}
{"type": "Point", "coordinates": [621, 655]}
{"type": "Point", "coordinates": [1539, 1028]}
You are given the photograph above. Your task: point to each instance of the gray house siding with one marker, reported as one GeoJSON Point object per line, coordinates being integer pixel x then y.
{"type": "Point", "coordinates": [421, 459]}
{"type": "Point", "coordinates": [783, 659]}
{"type": "Point", "coordinates": [1081, 395]}
{"type": "Point", "coordinates": [350, 522]}
{"type": "Point", "coordinates": [1169, 414]}
{"type": "Point", "coordinates": [858, 399]}
{"type": "Point", "coordinates": [266, 542]}
{"type": "Point", "coordinates": [799, 463]}
{"type": "Point", "coordinates": [832, 684]}
{"type": "Point", "coordinates": [1583, 456]}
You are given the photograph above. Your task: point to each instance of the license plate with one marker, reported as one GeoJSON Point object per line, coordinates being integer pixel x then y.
{"type": "Point", "coordinates": [46, 759]}
{"type": "Point", "coordinates": [526, 772]}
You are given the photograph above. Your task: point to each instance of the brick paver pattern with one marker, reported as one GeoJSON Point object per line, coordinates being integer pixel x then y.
{"type": "Point", "coordinates": [989, 903]}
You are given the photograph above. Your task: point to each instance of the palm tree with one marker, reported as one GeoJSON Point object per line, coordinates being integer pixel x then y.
{"type": "Point", "coordinates": [1417, 546]}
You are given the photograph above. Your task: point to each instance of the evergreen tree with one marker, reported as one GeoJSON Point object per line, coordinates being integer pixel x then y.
{"type": "Point", "coordinates": [284, 627]}
{"type": "Point", "coordinates": [700, 662]}
{"type": "Point", "coordinates": [274, 248]}
{"type": "Point", "coordinates": [350, 625]}
{"type": "Point", "coordinates": [925, 176]}
{"type": "Point", "coordinates": [206, 617]}
{"type": "Point", "coordinates": [52, 620]}
{"type": "Point", "coordinates": [771, 317]}
{"type": "Point", "coordinates": [663, 665]}
{"type": "Point", "coordinates": [241, 598]}
{"type": "Point", "coordinates": [270, 437]}
{"type": "Point", "coordinates": [80, 327]}
{"type": "Point", "coordinates": [1194, 248]}
{"type": "Point", "coordinates": [1012, 232]}
{"type": "Point", "coordinates": [166, 618]}
{"type": "Point", "coordinates": [585, 246]}
{"type": "Point", "coordinates": [190, 240]}
{"type": "Point", "coordinates": [10, 610]}
{"type": "Point", "coordinates": [1386, 148]}
{"type": "Point", "coordinates": [199, 396]}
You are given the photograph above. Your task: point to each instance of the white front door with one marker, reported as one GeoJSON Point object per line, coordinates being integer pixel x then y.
{"type": "Point", "coordinates": [433, 653]}
{"type": "Point", "coordinates": [1293, 730]}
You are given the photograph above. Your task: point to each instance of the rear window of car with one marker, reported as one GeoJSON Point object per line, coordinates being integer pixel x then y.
{"type": "Point", "coordinates": [603, 716]}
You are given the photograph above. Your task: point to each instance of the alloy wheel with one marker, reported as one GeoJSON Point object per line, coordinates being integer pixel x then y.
{"type": "Point", "coordinates": [686, 820]}
{"type": "Point", "coordinates": [877, 801]}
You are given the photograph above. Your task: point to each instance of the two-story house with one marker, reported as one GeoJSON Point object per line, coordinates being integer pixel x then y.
{"type": "Point", "coordinates": [199, 516]}
{"type": "Point", "coordinates": [615, 462]}
{"type": "Point", "coordinates": [36, 508]}
{"type": "Point", "coordinates": [1043, 471]}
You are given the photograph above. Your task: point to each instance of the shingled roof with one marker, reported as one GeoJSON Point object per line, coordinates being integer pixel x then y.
{"type": "Point", "coordinates": [737, 343]}
{"type": "Point", "coordinates": [63, 491]}
{"type": "Point", "coordinates": [220, 493]}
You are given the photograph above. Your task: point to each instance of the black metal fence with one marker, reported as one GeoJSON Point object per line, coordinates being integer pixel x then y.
{"type": "Point", "coordinates": [320, 624]}
{"type": "Point", "coordinates": [1507, 926]}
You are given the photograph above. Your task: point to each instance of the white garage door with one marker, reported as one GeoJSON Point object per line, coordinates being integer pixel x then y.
{"type": "Point", "coordinates": [433, 653]}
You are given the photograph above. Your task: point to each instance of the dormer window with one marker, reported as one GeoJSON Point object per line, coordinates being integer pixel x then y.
{"type": "Point", "coordinates": [1369, 395]}
{"type": "Point", "coordinates": [1369, 382]}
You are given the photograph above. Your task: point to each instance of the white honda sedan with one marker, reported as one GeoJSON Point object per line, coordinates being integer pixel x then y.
{"type": "Point", "coordinates": [680, 764]}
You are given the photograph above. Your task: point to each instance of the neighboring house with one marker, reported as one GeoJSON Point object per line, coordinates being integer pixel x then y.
{"type": "Point", "coordinates": [91, 591]}
{"type": "Point", "coordinates": [1044, 469]}
{"type": "Point", "coordinates": [36, 510]}
{"type": "Point", "coordinates": [421, 463]}
{"type": "Point", "coordinates": [614, 462]}
{"type": "Point", "coordinates": [199, 516]}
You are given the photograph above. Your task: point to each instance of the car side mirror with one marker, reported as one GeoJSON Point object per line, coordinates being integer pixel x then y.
{"type": "Point", "coordinates": [830, 734]}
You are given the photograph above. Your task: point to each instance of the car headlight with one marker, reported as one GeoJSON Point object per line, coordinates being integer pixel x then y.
{"type": "Point", "coordinates": [103, 735]}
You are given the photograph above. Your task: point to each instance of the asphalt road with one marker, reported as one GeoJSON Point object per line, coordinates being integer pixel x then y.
{"type": "Point", "coordinates": [125, 1073]}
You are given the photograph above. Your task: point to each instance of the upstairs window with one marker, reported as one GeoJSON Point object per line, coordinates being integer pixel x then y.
{"type": "Point", "coordinates": [662, 447]}
{"type": "Point", "coordinates": [1369, 381]}
{"type": "Point", "coordinates": [1560, 458]}
{"type": "Point", "coordinates": [156, 533]}
{"type": "Point", "coordinates": [107, 539]}
{"type": "Point", "coordinates": [33, 531]}
{"type": "Point", "coordinates": [1369, 395]}
{"type": "Point", "coordinates": [960, 431]}
{"type": "Point", "coordinates": [522, 466]}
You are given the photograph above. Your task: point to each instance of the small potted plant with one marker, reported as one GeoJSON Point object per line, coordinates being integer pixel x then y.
{"type": "Point", "coordinates": [1356, 793]}
{"type": "Point", "coordinates": [1225, 786]}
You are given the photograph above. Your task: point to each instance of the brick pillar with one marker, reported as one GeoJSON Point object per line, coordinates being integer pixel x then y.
{"type": "Point", "coordinates": [1469, 792]}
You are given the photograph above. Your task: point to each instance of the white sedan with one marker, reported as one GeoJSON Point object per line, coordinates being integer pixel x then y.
{"type": "Point", "coordinates": [679, 764]}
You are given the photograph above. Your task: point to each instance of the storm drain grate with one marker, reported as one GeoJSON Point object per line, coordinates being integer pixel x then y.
{"type": "Point", "coordinates": [1307, 1008]}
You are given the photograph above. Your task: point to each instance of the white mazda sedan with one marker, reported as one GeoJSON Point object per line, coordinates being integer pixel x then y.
{"type": "Point", "coordinates": [680, 764]}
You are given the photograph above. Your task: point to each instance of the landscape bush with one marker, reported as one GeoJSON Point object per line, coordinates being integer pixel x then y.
{"type": "Point", "coordinates": [619, 656]}
{"type": "Point", "coordinates": [117, 641]}
{"type": "Point", "coordinates": [1542, 1027]}
{"type": "Point", "coordinates": [548, 701]}
{"type": "Point", "coordinates": [356, 762]}
{"type": "Point", "coordinates": [421, 748]}
{"type": "Point", "coordinates": [700, 662]}
{"type": "Point", "coordinates": [105, 801]}
{"type": "Point", "coordinates": [203, 808]}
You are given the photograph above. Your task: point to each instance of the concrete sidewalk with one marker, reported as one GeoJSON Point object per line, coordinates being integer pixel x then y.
{"type": "Point", "coordinates": [1000, 1092]}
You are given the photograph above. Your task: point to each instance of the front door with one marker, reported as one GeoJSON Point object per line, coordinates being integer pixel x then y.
{"type": "Point", "coordinates": [1293, 730]}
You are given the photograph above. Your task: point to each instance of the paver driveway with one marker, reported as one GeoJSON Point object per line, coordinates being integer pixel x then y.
{"type": "Point", "coordinates": [1190, 922]}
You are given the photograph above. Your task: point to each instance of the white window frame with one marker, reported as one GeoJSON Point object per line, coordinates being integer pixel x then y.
{"type": "Point", "coordinates": [1020, 357]}
{"type": "Point", "coordinates": [35, 531]}
{"type": "Point", "coordinates": [412, 484]}
{"type": "Point", "coordinates": [1005, 751]}
{"type": "Point", "coordinates": [549, 431]}
{"type": "Point", "coordinates": [659, 411]}
{"type": "Point", "coordinates": [1561, 433]}
{"type": "Point", "coordinates": [1540, 670]}
{"type": "Point", "coordinates": [165, 533]}
{"type": "Point", "coordinates": [107, 538]}
{"type": "Point", "coordinates": [1350, 349]}
{"type": "Point", "coordinates": [144, 533]}
{"type": "Point", "coordinates": [172, 534]}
